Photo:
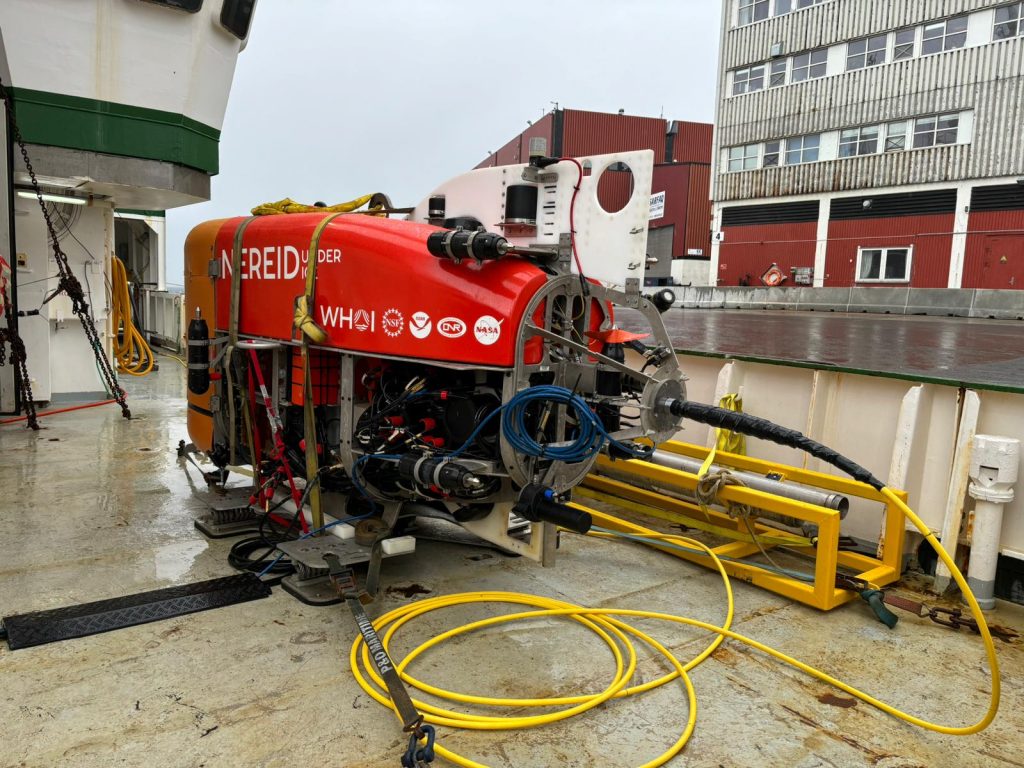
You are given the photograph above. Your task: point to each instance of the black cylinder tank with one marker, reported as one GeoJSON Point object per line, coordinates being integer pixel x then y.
{"type": "Point", "coordinates": [198, 356]}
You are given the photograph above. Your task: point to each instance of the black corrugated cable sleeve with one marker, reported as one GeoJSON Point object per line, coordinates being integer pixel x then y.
{"type": "Point", "coordinates": [755, 426]}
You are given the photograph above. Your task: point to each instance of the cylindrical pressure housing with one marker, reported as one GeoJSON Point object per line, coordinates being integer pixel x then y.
{"type": "Point", "coordinates": [521, 204]}
{"type": "Point", "coordinates": [793, 491]}
{"type": "Point", "coordinates": [198, 356]}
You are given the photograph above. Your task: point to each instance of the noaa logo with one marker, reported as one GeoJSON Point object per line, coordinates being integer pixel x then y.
{"type": "Point", "coordinates": [451, 327]}
{"type": "Point", "coordinates": [420, 325]}
{"type": "Point", "coordinates": [487, 330]}
{"type": "Point", "coordinates": [392, 322]}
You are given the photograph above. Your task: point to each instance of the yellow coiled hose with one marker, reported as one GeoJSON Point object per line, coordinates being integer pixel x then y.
{"type": "Point", "coordinates": [131, 350]}
{"type": "Point", "coordinates": [616, 635]}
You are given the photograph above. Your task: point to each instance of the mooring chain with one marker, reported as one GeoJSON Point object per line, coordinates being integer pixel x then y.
{"type": "Point", "coordinates": [68, 282]}
{"type": "Point", "coordinates": [19, 358]}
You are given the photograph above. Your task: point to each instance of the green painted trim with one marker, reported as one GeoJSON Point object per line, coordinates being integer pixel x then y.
{"type": "Point", "coordinates": [57, 120]}
{"type": "Point", "coordinates": [141, 212]}
{"type": "Point", "coordinates": [810, 365]}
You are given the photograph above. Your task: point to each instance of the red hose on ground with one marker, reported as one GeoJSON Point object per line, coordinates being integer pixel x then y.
{"type": "Point", "coordinates": [58, 410]}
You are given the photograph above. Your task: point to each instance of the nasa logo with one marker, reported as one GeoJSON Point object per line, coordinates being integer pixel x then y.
{"type": "Point", "coordinates": [392, 322]}
{"type": "Point", "coordinates": [487, 330]}
{"type": "Point", "coordinates": [420, 325]}
{"type": "Point", "coordinates": [451, 327]}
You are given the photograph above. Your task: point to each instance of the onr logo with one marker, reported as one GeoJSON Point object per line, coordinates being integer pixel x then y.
{"type": "Point", "coordinates": [451, 327]}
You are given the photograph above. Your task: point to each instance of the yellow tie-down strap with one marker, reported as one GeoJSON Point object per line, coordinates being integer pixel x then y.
{"type": "Point", "coordinates": [304, 320]}
{"type": "Point", "coordinates": [311, 333]}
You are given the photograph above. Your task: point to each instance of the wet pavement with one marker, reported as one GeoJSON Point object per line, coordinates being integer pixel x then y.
{"type": "Point", "coordinates": [987, 354]}
{"type": "Point", "coordinates": [96, 507]}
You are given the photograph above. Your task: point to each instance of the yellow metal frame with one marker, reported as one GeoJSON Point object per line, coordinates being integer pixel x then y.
{"type": "Point", "coordinates": [822, 593]}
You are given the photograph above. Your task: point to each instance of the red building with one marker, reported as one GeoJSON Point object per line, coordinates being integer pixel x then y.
{"type": "Point", "coordinates": [861, 145]}
{"type": "Point", "coordinates": [682, 172]}
{"type": "Point", "coordinates": [909, 238]}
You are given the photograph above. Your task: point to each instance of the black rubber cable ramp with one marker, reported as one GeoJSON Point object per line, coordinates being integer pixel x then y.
{"type": "Point", "coordinates": [40, 627]}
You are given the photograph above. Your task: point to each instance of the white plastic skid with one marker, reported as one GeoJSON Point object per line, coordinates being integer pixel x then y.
{"type": "Point", "coordinates": [612, 246]}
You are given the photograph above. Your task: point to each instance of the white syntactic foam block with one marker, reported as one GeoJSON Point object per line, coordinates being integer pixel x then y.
{"type": "Point", "coordinates": [400, 545]}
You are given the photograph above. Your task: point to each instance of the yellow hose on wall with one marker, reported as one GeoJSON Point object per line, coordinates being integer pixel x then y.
{"type": "Point", "coordinates": [131, 351]}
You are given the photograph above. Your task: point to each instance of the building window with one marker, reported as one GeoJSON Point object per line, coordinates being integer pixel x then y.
{"type": "Point", "coordinates": [936, 130]}
{"type": "Point", "coordinates": [896, 136]}
{"type": "Point", "coordinates": [744, 158]}
{"type": "Point", "coordinates": [858, 141]}
{"type": "Point", "coordinates": [803, 149]}
{"type": "Point", "coordinates": [751, 11]}
{"type": "Point", "coordinates": [778, 73]}
{"type": "Point", "coordinates": [906, 39]}
{"type": "Point", "coordinates": [783, 7]}
{"type": "Point", "coordinates": [868, 52]}
{"type": "Point", "coordinates": [1008, 21]}
{"type": "Point", "coordinates": [807, 3]}
{"type": "Point", "coordinates": [236, 16]}
{"type": "Point", "coordinates": [748, 80]}
{"type": "Point", "coordinates": [810, 65]}
{"type": "Point", "coordinates": [883, 265]}
{"type": "Point", "coordinates": [944, 35]}
{"type": "Point", "coordinates": [772, 150]}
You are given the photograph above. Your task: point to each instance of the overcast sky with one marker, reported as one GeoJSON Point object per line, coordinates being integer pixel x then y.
{"type": "Point", "coordinates": [335, 98]}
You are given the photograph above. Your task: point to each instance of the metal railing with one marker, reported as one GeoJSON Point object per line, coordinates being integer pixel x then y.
{"type": "Point", "coordinates": [163, 318]}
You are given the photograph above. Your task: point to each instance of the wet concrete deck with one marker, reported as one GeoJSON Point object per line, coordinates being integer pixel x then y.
{"type": "Point", "coordinates": [96, 507]}
{"type": "Point", "coordinates": [988, 354]}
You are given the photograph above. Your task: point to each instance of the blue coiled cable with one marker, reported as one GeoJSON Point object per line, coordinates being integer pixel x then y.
{"type": "Point", "coordinates": [590, 438]}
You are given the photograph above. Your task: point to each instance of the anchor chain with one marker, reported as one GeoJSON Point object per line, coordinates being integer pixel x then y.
{"type": "Point", "coordinates": [67, 283]}
{"type": "Point", "coordinates": [19, 358]}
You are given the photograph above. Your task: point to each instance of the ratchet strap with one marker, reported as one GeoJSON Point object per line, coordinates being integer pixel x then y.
{"type": "Point", "coordinates": [310, 331]}
{"type": "Point", "coordinates": [234, 310]}
{"type": "Point", "coordinates": [344, 583]}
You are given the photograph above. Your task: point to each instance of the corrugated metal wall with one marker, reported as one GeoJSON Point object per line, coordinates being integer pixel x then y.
{"type": "Point", "coordinates": [987, 79]}
{"type": "Point", "coordinates": [992, 237]}
{"type": "Point", "coordinates": [510, 152]}
{"type": "Point", "coordinates": [931, 237]}
{"type": "Point", "coordinates": [994, 255]}
{"type": "Point", "coordinates": [698, 210]}
{"type": "Point", "coordinates": [674, 181]}
{"type": "Point", "coordinates": [518, 149]}
{"type": "Point", "coordinates": [750, 250]}
{"type": "Point", "coordinates": [598, 133]}
{"type": "Point", "coordinates": [833, 22]}
{"type": "Point", "coordinates": [692, 143]}
{"type": "Point", "coordinates": [687, 205]}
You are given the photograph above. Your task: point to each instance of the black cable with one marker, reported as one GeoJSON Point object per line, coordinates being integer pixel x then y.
{"type": "Point", "coordinates": [240, 556]}
{"type": "Point", "coordinates": [754, 426]}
